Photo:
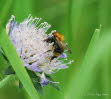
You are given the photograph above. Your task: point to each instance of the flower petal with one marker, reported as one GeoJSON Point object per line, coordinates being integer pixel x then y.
{"type": "Point", "coordinates": [63, 55]}
{"type": "Point", "coordinates": [34, 67]}
{"type": "Point", "coordinates": [44, 81]}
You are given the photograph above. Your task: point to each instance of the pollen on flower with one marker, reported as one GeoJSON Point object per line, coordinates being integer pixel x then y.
{"type": "Point", "coordinates": [28, 38]}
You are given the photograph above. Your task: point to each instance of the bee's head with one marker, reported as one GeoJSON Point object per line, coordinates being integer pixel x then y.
{"type": "Point", "coordinates": [59, 36]}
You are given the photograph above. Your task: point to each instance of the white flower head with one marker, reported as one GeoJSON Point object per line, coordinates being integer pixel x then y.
{"type": "Point", "coordinates": [28, 38]}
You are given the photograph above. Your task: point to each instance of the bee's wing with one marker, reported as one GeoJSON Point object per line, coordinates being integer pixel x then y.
{"type": "Point", "coordinates": [69, 51]}
{"type": "Point", "coordinates": [67, 48]}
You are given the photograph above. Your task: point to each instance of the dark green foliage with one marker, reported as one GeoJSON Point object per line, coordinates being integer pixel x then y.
{"type": "Point", "coordinates": [3, 54]}
{"type": "Point", "coordinates": [9, 71]}
{"type": "Point", "coordinates": [77, 21]}
{"type": "Point", "coordinates": [36, 81]}
{"type": "Point", "coordinates": [37, 85]}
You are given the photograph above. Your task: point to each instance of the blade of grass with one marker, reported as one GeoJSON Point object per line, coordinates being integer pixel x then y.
{"type": "Point", "coordinates": [81, 82]}
{"type": "Point", "coordinates": [17, 65]}
{"type": "Point", "coordinates": [93, 42]}
{"type": "Point", "coordinates": [5, 11]}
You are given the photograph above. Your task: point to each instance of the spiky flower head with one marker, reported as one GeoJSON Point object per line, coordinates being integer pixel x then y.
{"type": "Point", "coordinates": [28, 38]}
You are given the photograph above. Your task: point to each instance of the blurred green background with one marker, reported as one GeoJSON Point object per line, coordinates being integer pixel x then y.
{"type": "Point", "coordinates": [89, 76]}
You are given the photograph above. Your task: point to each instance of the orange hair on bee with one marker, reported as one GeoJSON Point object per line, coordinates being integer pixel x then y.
{"type": "Point", "coordinates": [60, 36]}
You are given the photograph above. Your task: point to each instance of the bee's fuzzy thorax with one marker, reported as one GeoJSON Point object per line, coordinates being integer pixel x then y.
{"type": "Point", "coordinates": [58, 35]}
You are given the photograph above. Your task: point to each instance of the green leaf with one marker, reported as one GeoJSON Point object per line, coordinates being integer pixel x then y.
{"type": "Point", "coordinates": [54, 85]}
{"type": "Point", "coordinates": [51, 82]}
{"type": "Point", "coordinates": [17, 65]}
{"type": "Point", "coordinates": [7, 80]}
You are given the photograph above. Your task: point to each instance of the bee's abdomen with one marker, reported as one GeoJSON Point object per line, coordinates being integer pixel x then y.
{"type": "Point", "coordinates": [58, 49]}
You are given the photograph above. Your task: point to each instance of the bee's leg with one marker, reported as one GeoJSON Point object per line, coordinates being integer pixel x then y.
{"type": "Point", "coordinates": [49, 50]}
{"type": "Point", "coordinates": [53, 57]}
{"type": "Point", "coordinates": [49, 40]}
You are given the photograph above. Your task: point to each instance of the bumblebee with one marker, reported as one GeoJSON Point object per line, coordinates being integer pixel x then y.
{"type": "Point", "coordinates": [59, 45]}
